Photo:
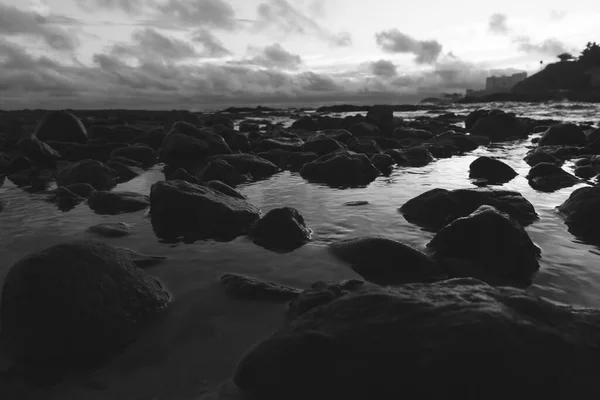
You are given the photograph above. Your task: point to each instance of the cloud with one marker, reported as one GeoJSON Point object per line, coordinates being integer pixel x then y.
{"type": "Point", "coordinates": [394, 41]}
{"type": "Point", "coordinates": [498, 23]}
{"type": "Point", "coordinates": [550, 46]}
{"type": "Point", "coordinates": [281, 15]}
{"type": "Point", "coordinates": [274, 56]}
{"type": "Point", "coordinates": [148, 44]}
{"type": "Point", "coordinates": [557, 15]}
{"type": "Point", "coordinates": [383, 68]}
{"type": "Point", "coordinates": [212, 46]}
{"type": "Point", "coordinates": [16, 22]}
{"type": "Point", "coordinates": [128, 6]}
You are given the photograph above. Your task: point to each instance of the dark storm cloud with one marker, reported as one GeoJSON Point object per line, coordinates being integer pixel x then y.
{"type": "Point", "coordinates": [497, 23]}
{"type": "Point", "coordinates": [394, 41]}
{"type": "Point", "coordinates": [16, 22]}
{"type": "Point", "coordinates": [148, 44]}
{"type": "Point", "coordinates": [281, 15]}
{"type": "Point", "coordinates": [383, 68]}
{"type": "Point", "coordinates": [274, 56]}
{"type": "Point", "coordinates": [211, 45]}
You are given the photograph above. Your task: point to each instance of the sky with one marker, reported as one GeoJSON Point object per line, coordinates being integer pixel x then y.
{"type": "Point", "coordinates": [210, 54]}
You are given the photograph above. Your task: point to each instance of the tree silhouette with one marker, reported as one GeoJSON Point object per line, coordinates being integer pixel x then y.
{"type": "Point", "coordinates": [590, 56]}
{"type": "Point", "coordinates": [564, 57]}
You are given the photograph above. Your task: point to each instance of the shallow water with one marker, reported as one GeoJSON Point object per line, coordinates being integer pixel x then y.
{"type": "Point", "coordinates": [204, 334]}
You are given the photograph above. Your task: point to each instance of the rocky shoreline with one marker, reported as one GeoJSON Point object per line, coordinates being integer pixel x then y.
{"type": "Point", "coordinates": [459, 301]}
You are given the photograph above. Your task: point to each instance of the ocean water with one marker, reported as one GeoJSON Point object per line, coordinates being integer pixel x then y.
{"type": "Point", "coordinates": [196, 346]}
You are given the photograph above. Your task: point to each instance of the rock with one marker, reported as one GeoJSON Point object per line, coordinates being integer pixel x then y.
{"type": "Point", "coordinates": [95, 173]}
{"type": "Point", "coordinates": [186, 143]}
{"type": "Point", "coordinates": [112, 203]}
{"type": "Point", "coordinates": [219, 119]}
{"type": "Point", "coordinates": [553, 154]}
{"type": "Point", "coordinates": [258, 167]}
{"type": "Point", "coordinates": [364, 145]}
{"type": "Point", "coordinates": [383, 162]}
{"type": "Point", "coordinates": [182, 209]}
{"type": "Point", "coordinates": [223, 188]}
{"type": "Point", "coordinates": [491, 170]}
{"type": "Point", "coordinates": [75, 305]}
{"type": "Point", "coordinates": [341, 135]}
{"type": "Point", "coordinates": [142, 261]}
{"type": "Point", "coordinates": [356, 203]}
{"type": "Point", "coordinates": [548, 177]}
{"type": "Point", "coordinates": [84, 190]}
{"type": "Point", "coordinates": [125, 173]}
{"type": "Point", "coordinates": [39, 152]}
{"type": "Point", "coordinates": [582, 213]}
{"type": "Point", "coordinates": [282, 143]}
{"type": "Point", "coordinates": [392, 343]}
{"type": "Point", "coordinates": [386, 261]}
{"type": "Point", "coordinates": [247, 126]}
{"type": "Point", "coordinates": [89, 151]}
{"type": "Point", "coordinates": [586, 172]}
{"type": "Point", "coordinates": [383, 117]}
{"type": "Point", "coordinates": [321, 293]}
{"type": "Point", "coordinates": [417, 157]}
{"type": "Point", "coordinates": [281, 228]}
{"type": "Point", "coordinates": [323, 145]}
{"type": "Point", "coordinates": [16, 164]}
{"type": "Point", "coordinates": [144, 155]}
{"type": "Point", "coordinates": [111, 229]}
{"type": "Point", "coordinates": [411, 133]}
{"type": "Point", "coordinates": [305, 124]}
{"type": "Point", "coordinates": [247, 288]}
{"type": "Point", "coordinates": [582, 162]}
{"type": "Point", "coordinates": [397, 155]}
{"type": "Point", "coordinates": [61, 126]}
{"type": "Point", "coordinates": [437, 208]}
{"type": "Point", "coordinates": [563, 135]}
{"type": "Point", "coordinates": [220, 170]}
{"type": "Point", "coordinates": [343, 168]}
{"type": "Point", "coordinates": [498, 126]}
{"type": "Point", "coordinates": [488, 245]}
{"type": "Point", "coordinates": [364, 129]}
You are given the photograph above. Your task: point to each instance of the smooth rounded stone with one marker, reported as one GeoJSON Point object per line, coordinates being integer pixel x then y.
{"type": "Point", "coordinates": [488, 245]}
{"type": "Point", "coordinates": [364, 129]}
{"type": "Point", "coordinates": [258, 167]}
{"type": "Point", "coordinates": [411, 133]}
{"type": "Point", "coordinates": [321, 293]}
{"type": "Point", "coordinates": [61, 126]}
{"type": "Point", "coordinates": [247, 126]}
{"type": "Point", "coordinates": [180, 209]}
{"type": "Point", "coordinates": [343, 168]}
{"type": "Point", "coordinates": [239, 142]}
{"type": "Point", "coordinates": [397, 155]}
{"type": "Point", "coordinates": [563, 135]}
{"type": "Point", "coordinates": [185, 142]}
{"type": "Point", "coordinates": [356, 203]}
{"type": "Point", "coordinates": [75, 305]}
{"type": "Point", "coordinates": [442, 148]}
{"type": "Point", "coordinates": [465, 143]}
{"type": "Point", "coordinates": [305, 124]}
{"type": "Point", "coordinates": [548, 177]}
{"type": "Point", "coordinates": [33, 180]}
{"type": "Point", "coordinates": [436, 208]}
{"type": "Point", "coordinates": [386, 261]}
{"type": "Point", "coordinates": [552, 154]}
{"type": "Point", "coordinates": [125, 161]}
{"type": "Point", "coordinates": [341, 135]}
{"type": "Point", "coordinates": [586, 172]}
{"type": "Point", "coordinates": [386, 143]}
{"type": "Point", "coordinates": [282, 143]}
{"type": "Point", "coordinates": [281, 228]}
{"type": "Point", "coordinates": [383, 162]}
{"type": "Point", "coordinates": [323, 145]}
{"type": "Point", "coordinates": [39, 152]}
{"type": "Point", "coordinates": [220, 170]}
{"type": "Point", "coordinates": [224, 188]}
{"type": "Point", "coordinates": [496, 125]}
{"type": "Point", "coordinates": [407, 343]}
{"type": "Point", "coordinates": [84, 190]}
{"type": "Point", "coordinates": [582, 213]}
{"type": "Point", "coordinates": [582, 162]}
{"type": "Point", "coordinates": [382, 116]}
{"type": "Point", "coordinates": [125, 173]}
{"type": "Point", "coordinates": [492, 170]}
{"type": "Point", "coordinates": [144, 155]}
{"type": "Point", "coordinates": [16, 164]}
{"type": "Point", "coordinates": [364, 145]}
{"type": "Point", "coordinates": [113, 203]}
{"type": "Point", "coordinates": [111, 229]}
{"type": "Point", "coordinates": [90, 151]}
{"type": "Point", "coordinates": [93, 172]}
{"type": "Point", "coordinates": [417, 157]}
{"type": "Point", "coordinates": [219, 119]}
{"type": "Point", "coordinates": [247, 288]}
{"type": "Point", "coordinates": [142, 261]}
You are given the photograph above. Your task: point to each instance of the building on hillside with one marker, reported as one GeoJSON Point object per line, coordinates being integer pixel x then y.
{"type": "Point", "coordinates": [594, 73]}
{"type": "Point", "coordinates": [498, 84]}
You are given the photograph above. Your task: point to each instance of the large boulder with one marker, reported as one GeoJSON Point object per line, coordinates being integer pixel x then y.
{"type": "Point", "coordinates": [498, 126]}
{"type": "Point", "coordinates": [488, 245]}
{"type": "Point", "coordinates": [97, 174]}
{"type": "Point", "coordinates": [281, 228]}
{"type": "Point", "coordinates": [248, 288]}
{"type": "Point", "coordinates": [321, 293]}
{"type": "Point", "coordinates": [552, 154]}
{"type": "Point", "coordinates": [383, 117]}
{"type": "Point", "coordinates": [548, 177]}
{"type": "Point", "coordinates": [437, 208]}
{"type": "Point", "coordinates": [364, 129]}
{"type": "Point", "coordinates": [305, 124]}
{"type": "Point", "coordinates": [341, 168]}
{"type": "Point", "coordinates": [39, 152]}
{"type": "Point", "coordinates": [186, 143]}
{"type": "Point", "coordinates": [112, 203]}
{"type": "Point", "coordinates": [144, 155]}
{"type": "Point", "coordinates": [182, 209]}
{"type": "Point", "coordinates": [61, 126]}
{"type": "Point", "coordinates": [75, 305]}
{"type": "Point", "coordinates": [323, 145]}
{"type": "Point", "coordinates": [386, 261]}
{"type": "Point", "coordinates": [417, 157]}
{"type": "Point", "coordinates": [491, 170]}
{"type": "Point", "coordinates": [220, 170]}
{"type": "Point", "coordinates": [563, 135]}
{"type": "Point", "coordinates": [256, 166]}
{"type": "Point", "coordinates": [582, 212]}
{"type": "Point", "coordinates": [411, 133]}
{"type": "Point", "coordinates": [459, 338]}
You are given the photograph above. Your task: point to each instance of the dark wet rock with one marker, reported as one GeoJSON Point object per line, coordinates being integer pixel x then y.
{"type": "Point", "coordinates": [142, 261]}
{"type": "Point", "coordinates": [341, 135]}
{"type": "Point", "coordinates": [220, 170]}
{"type": "Point", "coordinates": [537, 157]}
{"type": "Point", "coordinates": [386, 261]}
{"type": "Point", "coordinates": [417, 157]}
{"type": "Point", "coordinates": [582, 162]}
{"type": "Point", "coordinates": [247, 126]}
{"type": "Point", "coordinates": [144, 155]}
{"type": "Point", "coordinates": [491, 170]}
{"type": "Point", "coordinates": [364, 129]}
{"type": "Point", "coordinates": [356, 203]}
{"type": "Point", "coordinates": [282, 143]}
{"type": "Point", "coordinates": [113, 203]}
{"type": "Point", "coordinates": [219, 119]}
{"type": "Point", "coordinates": [111, 229]}
{"type": "Point", "coordinates": [383, 163]}
{"type": "Point", "coordinates": [323, 145]}
{"type": "Point", "coordinates": [39, 152]}
{"type": "Point", "coordinates": [185, 143]}
{"type": "Point", "coordinates": [397, 155]}
{"type": "Point", "coordinates": [437, 208]}
{"type": "Point", "coordinates": [223, 188]}
{"type": "Point", "coordinates": [364, 145]}
{"type": "Point", "coordinates": [153, 139]}
{"type": "Point", "coordinates": [61, 126]}
{"type": "Point", "coordinates": [488, 245]}
{"type": "Point", "coordinates": [239, 142]}
{"type": "Point", "coordinates": [90, 151]}
{"type": "Point", "coordinates": [548, 177]}
{"type": "Point", "coordinates": [247, 288]}
{"type": "Point", "coordinates": [383, 117]}
{"type": "Point", "coordinates": [281, 228]}
{"type": "Point", "coordinates": [16, 164]}
{"type": "Point", "coordinates": [582, 212]}
{"type": "Point", "coordinates": [342, 168]}
{"type": "Point", "coordinates": [442, 148]}
{"type": "Point", "coordinates": [97, 174]}
{"type": "Point", "coordinates": [400, 340]}
{"type": "Point", "coordinates": [560, 153]}
{"type": "Point", "coordinates": [586, 172]}
{"type": "Point", "coordinates": [305, 124]}
{"type": "Point", "coordinates": [125, 173]}
{"type": "Point", "coordinates": [258, 167]}
{"type": "Point", "coordinates": [125, 161]}
{"type": "Point", "coordinates": [181, 174]}
{"type": "Point", "coordinates": [387, 143]}
{"type": "Point", "coordinates": [464, 143]}
{"type": "Point", "coordinates": [84, 190]}
{"type": "Point", "coordinates": [182, 209]}
{"type": "Point", "coordinates": [75, 305]}
{"type": "Point", "coordinates": [321, 293]}
{"type": "Point", "coordinates": [411, 133]}
{"type": "Point", "coordinates": [498, 126]}
{"type": "Point", "coordinates": [563, 135]}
